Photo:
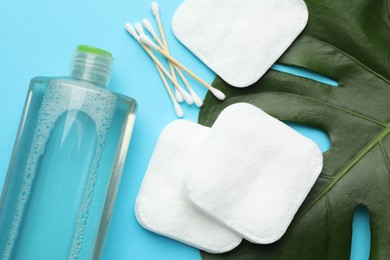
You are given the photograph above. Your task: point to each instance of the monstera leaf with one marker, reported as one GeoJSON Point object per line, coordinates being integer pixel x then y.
{"type": "Point", "coordinates": [348, 41]}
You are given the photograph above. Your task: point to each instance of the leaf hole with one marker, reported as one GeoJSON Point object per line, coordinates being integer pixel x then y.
{"type": "Point", "coordinates": [318, 136]}
{"type": "Point", "coordinates": [305, 73]}
{"type": "Point", "coordinates": [361, 234]}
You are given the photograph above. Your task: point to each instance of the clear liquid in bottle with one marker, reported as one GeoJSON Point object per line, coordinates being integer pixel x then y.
{"type": "Point", "coordinates": [66, 164]}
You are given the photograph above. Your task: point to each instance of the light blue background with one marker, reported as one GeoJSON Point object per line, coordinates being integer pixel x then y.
{"type": "Point", "coordinates": [37, 37]}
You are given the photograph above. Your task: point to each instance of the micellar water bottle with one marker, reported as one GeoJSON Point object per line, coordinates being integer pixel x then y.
{"type": "Point", "coordinates": [66, 164]}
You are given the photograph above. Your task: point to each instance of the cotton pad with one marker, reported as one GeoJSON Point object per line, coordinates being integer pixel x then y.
{"type": "Point", "coordinates": [254, 173]}
{"type": "Point", "coordinates": [162, 206]}
{"type": "Point", "coordinates": [239, 40]}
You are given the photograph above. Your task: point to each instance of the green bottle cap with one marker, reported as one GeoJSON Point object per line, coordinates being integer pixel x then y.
{"type": "Point", "coordinates": [93, 50]}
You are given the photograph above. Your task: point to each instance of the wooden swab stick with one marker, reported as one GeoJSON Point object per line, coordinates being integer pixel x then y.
{"type": "Point", "coordinates": [147, 41]}
{"type": "Point", "coordinates": [178, 92]}
{"type": "Point", "coordinates": [178, 110]}
{"type": "Point", "coordinates": [156, 13]}
{"type": "Point", "coordinates": [187, 97]}
{"type": "Point", "coordinates": [197, 100]}
{"type": "Point", "coordinates": [149, 28]}
{"type": "Point", "coordinates": [160, 69]}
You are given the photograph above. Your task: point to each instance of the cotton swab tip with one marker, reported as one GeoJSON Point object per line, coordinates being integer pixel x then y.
{"type": "Point", "coordinates": [178, 96]}
{"type": "Point", "coordinates": [149, 27]}
{"type": "Point", "coordinates": [217, 93]}
{"type": "Point", "coordinates": [198, 102]}
{"type": "Point", "coordinates": [155, 9]}
{"type": "Point", "coordinates": [146, 40]}
{"type": "Point", "coordinates": [130, 29]}
{"type": "Point", "coordinates": [139, 29]}
{"type": "Point", "coordinates": [187, 97]}
{"type": "Point", "coordinates": [178, 110]}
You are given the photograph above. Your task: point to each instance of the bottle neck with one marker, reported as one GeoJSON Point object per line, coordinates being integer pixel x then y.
{"type": "Point", "coordinates": [94, 67]}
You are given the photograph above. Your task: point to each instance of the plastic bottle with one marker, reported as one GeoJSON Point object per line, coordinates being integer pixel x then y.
{"type": "Point", "coordinates": [66, 164]}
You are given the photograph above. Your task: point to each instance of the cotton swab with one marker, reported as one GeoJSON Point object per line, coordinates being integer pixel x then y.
{"type": "Point", "coordinates": [139, 29]}
{"type": "Point", "coordinates": [183, 94]}
{"type": "Point", "coordinates": [156, 13]}
{"type": "Point", "coordinates": [178, 92]}
{"type": "Point", "coordinates": [198, 102]}
{"type": "Point", "coordinates": [179, 112]}
{"type": "Point", "coordinates": [148, 26]}
{"type": "Point", "coordinates": [178, 95]}
{"type": "Point", "coordinates": [147, 41]}
{"type": "Point", "coordinates": [150, 29]}
{"type": "Point", "coordinates": [130, 29]}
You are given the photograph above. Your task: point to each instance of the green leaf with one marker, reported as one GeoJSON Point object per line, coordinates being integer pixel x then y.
{"type": "Point", "coordinates": [348, 41]}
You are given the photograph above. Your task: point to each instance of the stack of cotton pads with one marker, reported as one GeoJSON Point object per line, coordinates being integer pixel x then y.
{"type": "Point", "coordinates": [239, 40]}
{"type": "Point", "coordinates": [245, 177]}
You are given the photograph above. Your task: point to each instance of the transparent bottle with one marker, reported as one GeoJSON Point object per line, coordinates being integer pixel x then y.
{"type": "Point", "coordinates": [66, 164]}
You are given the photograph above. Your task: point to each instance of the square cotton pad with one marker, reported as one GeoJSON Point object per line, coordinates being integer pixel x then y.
{"type": "Point", "coordinates": [254, 173]}
{"type": "Point", "coordinates": [239, 40]}
{"type": "Point", "coordinates": [162, 206]}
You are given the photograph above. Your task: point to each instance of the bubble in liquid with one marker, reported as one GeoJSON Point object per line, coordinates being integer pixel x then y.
{"type": "Point", "coordinates": [99, 104]}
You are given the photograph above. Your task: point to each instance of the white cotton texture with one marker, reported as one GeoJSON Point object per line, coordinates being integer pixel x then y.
{"type": "Point", "coordinates": [239, 40]}
{"type": "Point", "coordinates": [162, 206]}
{"type": "Point", "coordinates": [253, 174]}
